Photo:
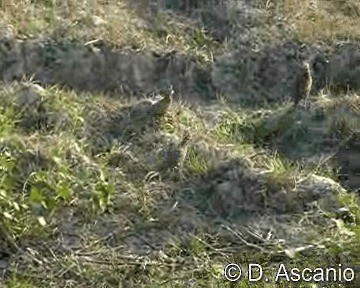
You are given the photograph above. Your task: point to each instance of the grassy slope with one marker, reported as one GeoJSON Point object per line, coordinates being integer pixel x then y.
{"type": "Point", "coordinates": [315, 21]}
{"type": "Point", "coordinates": [79, 193]}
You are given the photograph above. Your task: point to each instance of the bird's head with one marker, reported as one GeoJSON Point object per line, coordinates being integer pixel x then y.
{"type": "Point", "coordinates": [306, 68]}
{"type": "Point", "coordinates": [167, 96]}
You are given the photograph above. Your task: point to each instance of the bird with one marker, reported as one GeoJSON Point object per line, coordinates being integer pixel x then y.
{"type": "Point", "coordinates": [152, 107]}
{"type": "Point", "coordinates": [160, 107]}
{"type": "Point", "coordinates": [174, 155]}
{"type": "Point", "coordinates": [303, 84]}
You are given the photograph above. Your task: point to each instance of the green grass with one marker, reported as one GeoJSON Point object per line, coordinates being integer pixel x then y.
{"type": "Point", "coordinates": [81, 203]}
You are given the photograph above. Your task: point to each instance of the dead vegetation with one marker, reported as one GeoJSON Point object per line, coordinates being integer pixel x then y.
{"type": "Point", "coordinates": [322, 20]}
{"type": "Point", "coordinates": [83, 199]}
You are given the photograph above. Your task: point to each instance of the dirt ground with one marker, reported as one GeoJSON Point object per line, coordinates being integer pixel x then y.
{"type": "Point", "coordinates": [240, 185]}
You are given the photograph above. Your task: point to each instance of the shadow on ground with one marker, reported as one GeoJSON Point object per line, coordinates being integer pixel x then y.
{"type": "Point", "coordinates": [99, 68]}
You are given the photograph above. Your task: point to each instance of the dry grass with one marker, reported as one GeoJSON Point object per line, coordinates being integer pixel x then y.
{"type": "Point", "coordinates": [318, 20]}
{"type": "Point", "coordinates": [80, 207]}
{"type": "Point", "coordinates": [115, 22]}
{"type": "Point", "coordinates": [95, 215]}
